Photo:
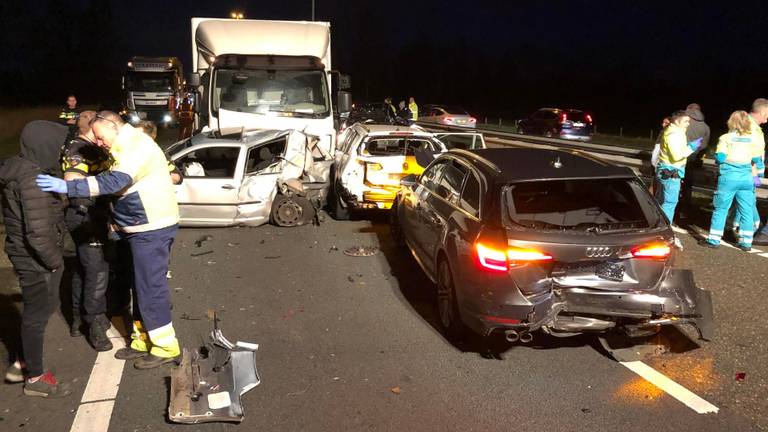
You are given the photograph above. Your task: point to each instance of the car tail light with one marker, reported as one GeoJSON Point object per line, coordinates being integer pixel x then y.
{"type": "Point", "coordinates": [656, 250]}
{"type": "Point", "coordinates": [447, 119]}
{"type": "Point", "coordinates": [589, 118]}
{"type": "Point", "coordinates": [472, 120]}
{"type": "Point", "coordinates": [564, 118]}
{"type": "Point", "coordinates": [494, 259]}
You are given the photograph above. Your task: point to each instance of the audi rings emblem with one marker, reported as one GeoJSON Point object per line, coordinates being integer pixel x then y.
{"type": "Point", "coordinates": [599, 252]}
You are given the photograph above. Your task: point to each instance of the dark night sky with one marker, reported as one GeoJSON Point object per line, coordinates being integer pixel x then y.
{"type": "Point", "coordinates": [628, 62]}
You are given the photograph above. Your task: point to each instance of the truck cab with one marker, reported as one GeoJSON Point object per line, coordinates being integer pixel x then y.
{"type": "Point", "coordinates": [152, 88]}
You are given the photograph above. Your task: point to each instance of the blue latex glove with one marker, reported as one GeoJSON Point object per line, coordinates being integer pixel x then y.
{"type": "Point", "coordinates": [756, 181]}
{"type": "Point", "coordinates": [695, 144]}
{"type": "Point", "coordinates": [51, 184]}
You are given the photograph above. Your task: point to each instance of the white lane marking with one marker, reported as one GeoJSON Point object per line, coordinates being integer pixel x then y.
{"type": "Point", "coordinates": [672, 388]}
{"type": "Point", "coordinates": [98, 400]}
{"type": "Point", "coordinates": [700, 232]}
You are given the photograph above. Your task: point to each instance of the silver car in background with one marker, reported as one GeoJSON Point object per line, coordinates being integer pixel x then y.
{"type": "Point", "coordinates": [446, 115]}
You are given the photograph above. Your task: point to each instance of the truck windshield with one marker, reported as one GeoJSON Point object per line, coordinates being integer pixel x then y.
{"type": "Point", "coordinates": [287, 93]}
{"type": "Point", "coordinates": [149, 81]}
{"type": "Point", "coordinates": [582, 205]}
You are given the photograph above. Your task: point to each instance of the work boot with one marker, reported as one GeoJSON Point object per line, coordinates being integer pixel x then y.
{"type": "Point", "coordinates": [129, 353]}
{"type": "Point", "coordinates": [744, 247]}
{"type": "Point", "coordinates": [761, 239]}
{"type": "Point", "coordinates": [98, 336]}
{"type": "Point", "coordinates": [76, 326]}
{"type": "Point", "coordinates": [708, 244]}
{"type": "Point", "coordinates": [45, 386]}
{"type": "Point", "coordinates": [15, 373]}
{"type": "Point", "coordinates": [152, 361]}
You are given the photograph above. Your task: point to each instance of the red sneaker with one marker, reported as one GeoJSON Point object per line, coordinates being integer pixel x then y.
{"type": "Point", "coordinates": [46, 386]}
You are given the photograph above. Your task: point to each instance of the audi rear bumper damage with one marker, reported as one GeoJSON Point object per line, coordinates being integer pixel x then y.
{"type": "Point", "coordinates": [569, 311]}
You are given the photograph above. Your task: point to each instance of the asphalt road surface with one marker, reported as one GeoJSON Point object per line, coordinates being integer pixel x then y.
{"type": "Point", "coordinates": [352, 343]}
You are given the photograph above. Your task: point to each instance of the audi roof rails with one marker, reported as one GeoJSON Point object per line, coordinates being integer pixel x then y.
{"type": "Point", "coordinates": [477, 158]}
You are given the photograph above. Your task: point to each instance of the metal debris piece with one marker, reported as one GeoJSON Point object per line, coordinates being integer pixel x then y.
{"type": "Point", "coordinates": [188, 317]}
{"type": "Point", "coordinates": [333, 249]}
{"type": "Point", "coordinates": [586, 410]}
{"type": "Point", "coordinates": [272, 257]}
{"type": "Point", "coordinates": [199, 242]}
{"type": "Point", "coordinates": [208, 384]}
{"type": "Point", "coordinates": [361, 251]}
{"type": "Point", "coordinates": [201, 253]}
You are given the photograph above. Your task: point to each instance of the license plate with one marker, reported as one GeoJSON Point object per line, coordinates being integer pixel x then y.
{"type": "Point", "coordinates": [578, 124]}
{"type": "Point", "coordinates": [461, 121]}
{"type": "Point", "coordinates": [610, 271]}
{"type": "Point", "coordinates": [142, 115]}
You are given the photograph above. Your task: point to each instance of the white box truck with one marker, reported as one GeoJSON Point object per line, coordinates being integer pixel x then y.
{"type": "Point", "coordinates": [258, 74]}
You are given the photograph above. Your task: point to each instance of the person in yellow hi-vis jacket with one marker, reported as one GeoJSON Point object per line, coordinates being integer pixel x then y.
{"type": "Point", "coordinates": [147, 215]}
{"type": "Point", "coordinates": [673, 153]}
{"type": "Point", "coordinates": [414, 109]}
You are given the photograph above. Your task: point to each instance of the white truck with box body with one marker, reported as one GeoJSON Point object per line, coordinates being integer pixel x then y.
{"type": "Point", "coordinates": [255, 75]}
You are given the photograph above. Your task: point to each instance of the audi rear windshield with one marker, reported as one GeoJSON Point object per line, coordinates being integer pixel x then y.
{"type": "Point", "coordinates": [596, 206]}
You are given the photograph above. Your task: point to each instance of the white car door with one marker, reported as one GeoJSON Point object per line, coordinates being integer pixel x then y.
{"type": "Point", "coordinates": [208, 196]}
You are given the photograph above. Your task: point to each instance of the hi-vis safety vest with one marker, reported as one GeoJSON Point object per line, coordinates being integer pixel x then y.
{"type": "Point", "coordinates": [414, 111]}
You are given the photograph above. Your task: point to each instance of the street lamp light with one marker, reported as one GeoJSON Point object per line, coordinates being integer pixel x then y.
{"type": "Point", "coordinates": [236, 15]}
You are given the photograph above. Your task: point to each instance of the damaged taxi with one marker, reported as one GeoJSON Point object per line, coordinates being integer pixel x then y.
{"type": "Point", "coordinates": [519, 240]}
{"type": "Point", "coordinates": [250, 178]}
{"type": "Point", "coordinates": [371, 159]}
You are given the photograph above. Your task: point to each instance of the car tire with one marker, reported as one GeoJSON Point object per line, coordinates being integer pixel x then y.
{"type": "Point", "coordinates": [289, 212]}
{"type": "Point", "coordinates": [549, 133]}
{"type": "Point", "coordinates": [447, 304]}
{"type": "Point", "coordinates": [395, 228]}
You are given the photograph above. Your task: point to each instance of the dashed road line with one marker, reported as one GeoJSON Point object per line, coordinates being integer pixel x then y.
{"type": "Point", "coordinates": [98, 401]}
{"type": "Point", "coordinates": [670, 387]}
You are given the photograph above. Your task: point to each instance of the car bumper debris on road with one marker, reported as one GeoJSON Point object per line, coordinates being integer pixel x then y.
{"type": "Point", "coordinates": [207, 386]}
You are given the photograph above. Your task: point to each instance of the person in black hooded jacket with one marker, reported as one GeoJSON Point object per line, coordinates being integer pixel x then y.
{"type": "Point", "coordinates": [34, 227]}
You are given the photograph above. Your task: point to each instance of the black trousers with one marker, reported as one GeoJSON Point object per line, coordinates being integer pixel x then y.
{"type": "Point", "coordinates": [89, 282]}
{"type": "Point", "coordinates": [40, 294]}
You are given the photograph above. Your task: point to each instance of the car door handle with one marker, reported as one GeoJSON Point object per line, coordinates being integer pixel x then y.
{"type": "Point", "coordinates": [228, 187]}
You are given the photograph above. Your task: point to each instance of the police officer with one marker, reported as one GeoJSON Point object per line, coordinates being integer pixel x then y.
{"type": "Point", "coordinates": [68, 114]}
{"type": "Point", "coordinates": [673, 153]}
{"type": "Point", "coordinates": [87, 220]}
{"type": "Point", "coordinates": [737, 152]}
{"type": "Point", "coordinates": [147, 215]}
{"type": "Point", "coordinates": [698, 128]}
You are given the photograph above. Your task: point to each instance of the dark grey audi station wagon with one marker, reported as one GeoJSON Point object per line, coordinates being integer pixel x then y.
{"type": "Point", "coordinates": [519, 240]}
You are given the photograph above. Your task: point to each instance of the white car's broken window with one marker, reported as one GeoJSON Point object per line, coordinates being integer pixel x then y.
{"type": "Point", "coordinates": [262, 157]}
{"type": "Point", "coordinates": [211, 162]}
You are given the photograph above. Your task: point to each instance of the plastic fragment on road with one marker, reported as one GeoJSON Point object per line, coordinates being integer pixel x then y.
{"type": "Point", "coordinates": [199, 242]}
{"type": "Point", "coordinates": [361, 251]}
{"type": "Point", "coordinates": [396, 390]}
{"type": "Point", "coordinates": [741, 376]}
{"type": "Point", "coordinates": [209, 382]}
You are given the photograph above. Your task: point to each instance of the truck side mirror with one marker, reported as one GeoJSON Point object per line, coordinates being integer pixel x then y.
{"type": "Point", "coordinates": [194, 80]}
{"type": "Point", "coordinates": [345, 82]}
{"type": "Point", "coordinates": [344, 102]}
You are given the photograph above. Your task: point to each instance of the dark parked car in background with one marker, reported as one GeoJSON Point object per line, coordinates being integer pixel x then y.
{"type": "Point", "coordinates": [519, 240]}
{"type": "Point", "coordinates": [559, 123]}
{"type": "Point", "coordinates": [373, 113]}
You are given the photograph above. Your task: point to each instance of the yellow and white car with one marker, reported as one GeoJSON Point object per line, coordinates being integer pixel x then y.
{"type": "Point", "coordinates": [371, 159]}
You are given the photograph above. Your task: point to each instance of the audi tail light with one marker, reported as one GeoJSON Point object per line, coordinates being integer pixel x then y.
{"type": "Point", "coordinates": [656, 250]}
{"type": "Point", "coordinates": [563, 118]}
{"type": "Point", "coordinates": [448, 119]}
{"type": "Point", "coordinates": [472, 120]}
{"type": "Point", "coordinates": [589, 118]}
{"type": "Point", "coordinates": [499, 260]}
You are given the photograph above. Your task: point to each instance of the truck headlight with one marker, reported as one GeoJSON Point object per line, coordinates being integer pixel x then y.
{"type": "Point", "coordinates": [167, 118]}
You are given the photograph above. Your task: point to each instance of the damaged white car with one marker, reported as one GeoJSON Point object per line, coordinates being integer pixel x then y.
{"type": "Point", "coordinates": [250, 178]}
